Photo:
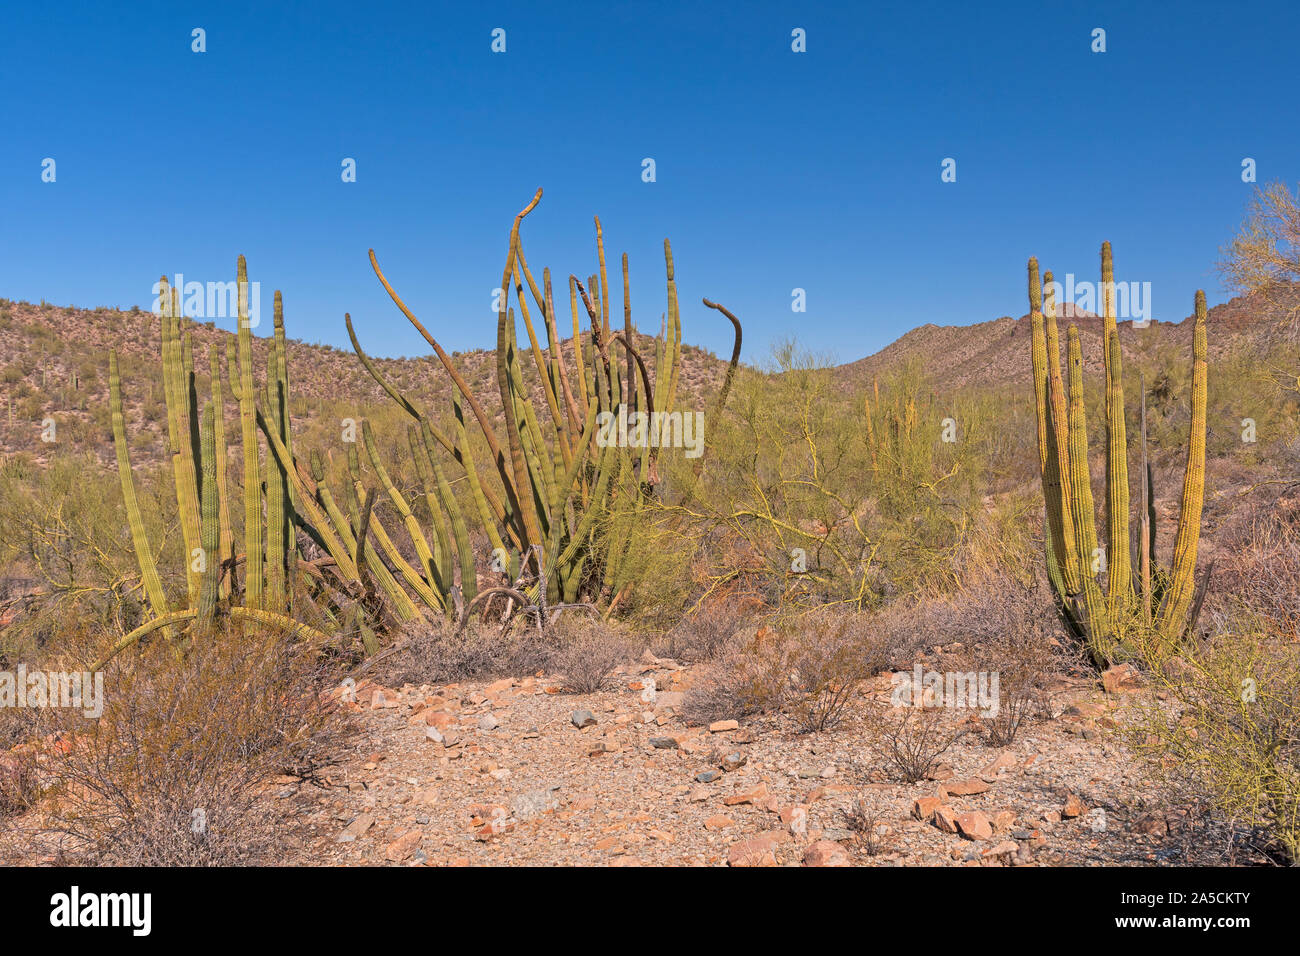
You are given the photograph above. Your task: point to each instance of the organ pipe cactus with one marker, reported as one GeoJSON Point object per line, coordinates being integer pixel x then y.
{"type": "Point", "coordinates": [197, 446]}
{"type": "Point", "coordinates": [1075, 561]}
{"type": "Point", "coordinates": [560, 507]}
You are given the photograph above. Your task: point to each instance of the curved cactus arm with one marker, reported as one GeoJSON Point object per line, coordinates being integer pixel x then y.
{"type": "Point", "coordinates": [459, 449]}
{"type": "Point", "coordinates": [152, 583]}
{"type": "Point", "coordinates": [244, 614]}
{"type": "Point", "coordinates": [460, 532]}
{"type": "Point", "coordinates": [444, 559]}
{"type": "Point", "coordinates": [1178, 598]}
{"type": "Point", "coordinates": [721, 401]}
{"type": "Point", "coordinates": [422, 549]}
{"type": "Point", "coordinates": [548, 386]}
{"type": "Point", "coordinates": [475, 487]}
{"type": "Point", "coordinates": [313, 516]}
{"type": "Point", "coordinates": [409, 574]}
{"type": "Point", "coordinates": [507, 386]}
{"type": "Point", "coordinates": [489, 433]}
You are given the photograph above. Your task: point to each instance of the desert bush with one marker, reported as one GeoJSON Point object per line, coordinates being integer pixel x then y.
{"type": "Point", "coordinates": [433, 653]}
{"type": "Point", "coordinates": [588, 651]}
{"type": "Point", "coordinates": [830, 653]}
{"type": "Point", "coordinates": [911, 743]}
{"type": "Point", "coordinates": [750, 675]}
{"type": "Point", "coordinates": [1232, 727]}
{"type": "Point", "coordinates": [1233, 731]}
{"type": "Point", "coordinates": [809, 664]}
{"type": "Point", "coordinates": [175, 771]}
{"type": "Point", "coordinates": [819, 494]}
{"type": "Point", "coordinates": [19, 789]}
{"type": "Point", "coordinates": [1011, 630]}
{"type": "Point", "coordinates": [703, 633]}
{"type": "Point", "coordinates": [867, 824]}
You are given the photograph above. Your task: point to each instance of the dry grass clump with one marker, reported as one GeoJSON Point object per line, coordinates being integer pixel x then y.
{"type": "Point", "coordinates": [810, 665]}
{"type": "Point", "coordinates": [588, 651]}
{"type": "Point", "coordinates": [177, 770]}
{"type": "Point", "coordinates": [433, 653]}
{"type": "Point", "coordinates": [706, 632]}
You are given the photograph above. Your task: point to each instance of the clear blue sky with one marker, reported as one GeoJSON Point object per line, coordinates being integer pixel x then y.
{"type": "Point", "coordinates": [775, 170]}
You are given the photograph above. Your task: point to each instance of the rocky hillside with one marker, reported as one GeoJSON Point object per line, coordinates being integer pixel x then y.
{"type": "Point", "coordinates": [55, 366]}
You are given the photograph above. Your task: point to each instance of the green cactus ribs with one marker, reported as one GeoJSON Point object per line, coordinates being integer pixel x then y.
{"type": "Point", "coordinates": [1158, 605]}
{"type": "Point", "coordinates": [559, 504]}
{"type": "Point", "coordinates": [278, 503]}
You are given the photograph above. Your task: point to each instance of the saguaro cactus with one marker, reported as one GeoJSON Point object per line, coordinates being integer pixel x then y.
{"type": "Point", "coordinates": [1074, 560]}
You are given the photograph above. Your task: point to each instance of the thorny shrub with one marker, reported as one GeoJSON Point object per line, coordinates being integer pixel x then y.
{"type": "Point", "coordinates": [177, 769]}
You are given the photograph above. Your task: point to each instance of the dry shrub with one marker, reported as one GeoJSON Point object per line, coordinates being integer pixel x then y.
{"type": "Point", "coordinates": [1232, 727]}
{"type": "Point", "coordinates": [867, 824]}
{"type": "Point", "coordinates": [911, 743]}
{"type": "Point", "coordinates": [705, 633]}
{"type": "Point", "coordinates": [433, 653]}
{"type": "Point", "coordinates": [1258, 571]}
{"type": "Point", "coordinates": [588, 651]}
{"type": "Point", "coordinates": [749, 675]}
{"type": "Point", "coordinates": [810, 665]}
{"type": "Point", "coordinates": [19, 788]}
{"type": "Point", "coordinates": [176, 771]}
{"type": "Point", "coordinates": [830, 653]}
{"type": "Point", "coordinates": [1010, 626]}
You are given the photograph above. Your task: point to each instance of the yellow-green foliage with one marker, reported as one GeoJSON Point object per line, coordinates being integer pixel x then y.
{"type": "Point", "coordinates": [818, 494]}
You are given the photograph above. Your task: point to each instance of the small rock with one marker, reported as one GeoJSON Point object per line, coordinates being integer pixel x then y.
{"type": "Point", "coordinates": [924, 807]}
{"type": "Point", "coordinates": [719, 822]}
{"type": "Point", "coordinates": [756, 851]}
{"type": "Point", "coordinates": [752, 796]}
{"type": "Point", "coordinates": [403, 846]}
{"type": "Point", "coordinates": [733, 760]}
{"type": "Point", "coordinates": [664, 743]}
{"type": "Point", "coordinates": [488, 722]}
{"type": "Point", "coordinates": [1120, 679]}
{"type": "Point", "coordinates": [974, 826]}
{"type": "Point", "coordinates": [966, 788]}
{"type": "Point", "coordinates": [825, 853]}
{"type": "Point", "coordinates": [708, 776]}
{"type": "Point", "coordinates": [583, 718]}
{"type": "Point", "coordinates": [356, 828]}
{"type": "Point", "coordinates": [722, 726]}
{"type": "Point", "coordinates": [1074, 807]}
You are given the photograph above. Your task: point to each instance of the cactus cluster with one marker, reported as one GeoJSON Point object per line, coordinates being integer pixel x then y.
{"type": "Point", "coordinates": [278, 500]}
{"type": "Point", "coordinates": [1154, 602]}
{"type": "Point", "coordinates": [559, 509]}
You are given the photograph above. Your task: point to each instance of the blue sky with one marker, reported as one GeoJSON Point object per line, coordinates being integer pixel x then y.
{"type": "Point", "coordinates": [775, 170]}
